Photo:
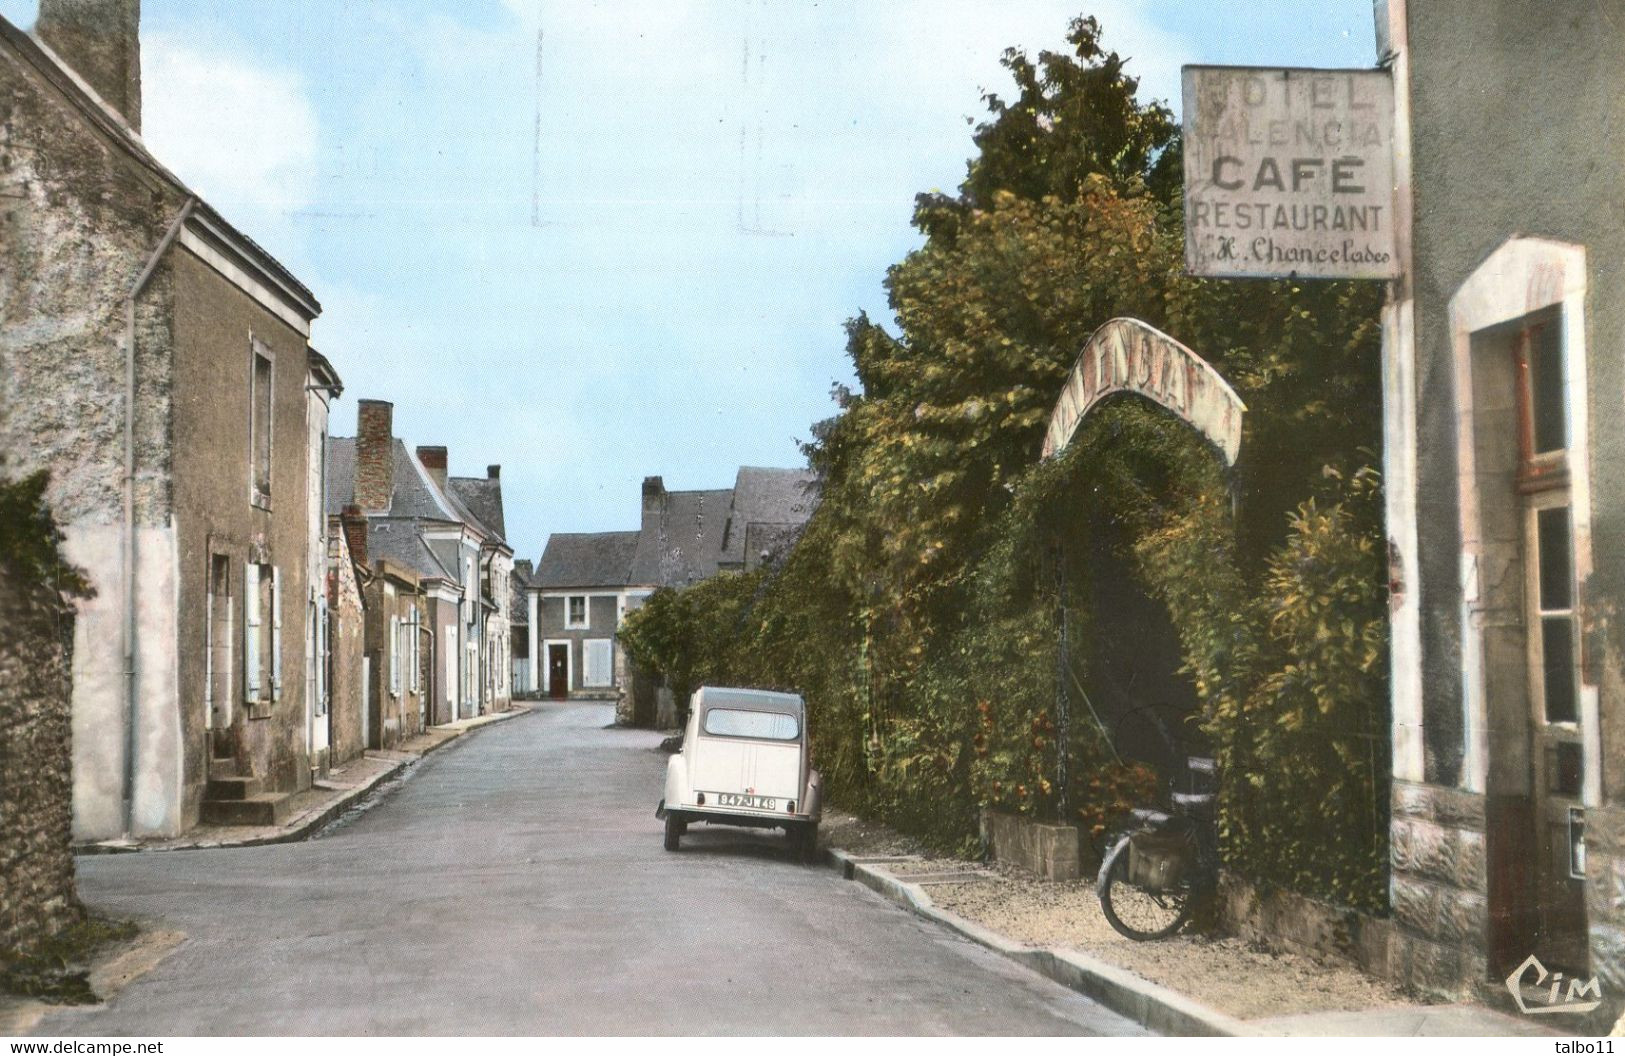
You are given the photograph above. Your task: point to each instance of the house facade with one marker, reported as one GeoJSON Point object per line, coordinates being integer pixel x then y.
{"type": "Point", "coordinates": [586, 583]}
{"type": "Point", "coordinates": [1505, 360]}
{"type": "Point", "coordinates": [154, 360]}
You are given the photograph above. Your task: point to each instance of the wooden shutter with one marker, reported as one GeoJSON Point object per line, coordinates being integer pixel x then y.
{"type": "Point", "coordinates": [394, 655]}
{"type": "Point", "coordinates": [251, 632]}
{"type": "Point", "coordinates": [413, 652]}
{"type": "Point", "coordinates": [276, 633]}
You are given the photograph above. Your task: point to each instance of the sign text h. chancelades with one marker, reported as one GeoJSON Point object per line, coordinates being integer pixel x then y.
{"type": "Point", "coordinates": [1289, 173]}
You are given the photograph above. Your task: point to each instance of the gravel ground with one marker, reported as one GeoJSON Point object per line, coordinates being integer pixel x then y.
{"type": "Point", "coordinates": [1224, 973]}
{"type": "Point", "coordinates": [864, 838]}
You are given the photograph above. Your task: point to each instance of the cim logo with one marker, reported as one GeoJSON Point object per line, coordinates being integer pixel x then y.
{"type": "Point", "coordinates": [1536, 999]}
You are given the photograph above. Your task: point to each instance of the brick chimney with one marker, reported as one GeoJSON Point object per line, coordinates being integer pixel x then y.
{"type": "Point", "coordinates": [654, 504]}
{"type": "Point", "coordinates": [101, 40]}
{"type": "Point", "coordinates": [434, 460]}
{"type": "Point", "coordinates": [374, 454]}
{"type": "Point", "coordinates": [355, 533]}
{"type": "Point", "coordinates": [493, 472]}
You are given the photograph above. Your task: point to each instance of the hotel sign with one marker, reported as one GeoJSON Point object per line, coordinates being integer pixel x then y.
{"type": "Point", "coordinates": [1289, 173]}
{"type": "Point", "coordinates": [1128, 356]}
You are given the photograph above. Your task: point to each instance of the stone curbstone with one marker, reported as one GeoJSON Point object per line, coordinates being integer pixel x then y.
{"type": "Point", "coordinates": [1154, 1007]}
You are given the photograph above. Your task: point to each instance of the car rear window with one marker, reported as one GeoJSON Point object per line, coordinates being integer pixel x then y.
{"type": "Point", "coordinates": [762, 725]}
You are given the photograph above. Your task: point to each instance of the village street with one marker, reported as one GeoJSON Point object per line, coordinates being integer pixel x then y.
{"type": "Point", "coordinates": [515, 883]}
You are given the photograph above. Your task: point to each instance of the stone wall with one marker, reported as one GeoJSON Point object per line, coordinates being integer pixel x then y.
{"type": "Point", "coordinates": [36, 776]}
{"type": "Point", "coordinates": [1438, 888]}
{"type": "Point", "coordinates": [1053, 852]}
{"type": "Point", "coordinates": [1288, 922]}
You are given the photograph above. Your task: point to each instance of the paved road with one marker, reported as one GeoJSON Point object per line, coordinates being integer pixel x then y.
{"type": "Point", "coordinates": [515, 884]}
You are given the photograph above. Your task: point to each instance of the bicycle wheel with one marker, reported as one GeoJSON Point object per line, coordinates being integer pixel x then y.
{"type": "Point", "coordinates": [1135, 913]}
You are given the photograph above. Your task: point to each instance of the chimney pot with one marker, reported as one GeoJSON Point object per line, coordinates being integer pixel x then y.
{"type": "Point", "coordinates": [101, 40]}
{"type": "Point", "coordinates": [493, 472]}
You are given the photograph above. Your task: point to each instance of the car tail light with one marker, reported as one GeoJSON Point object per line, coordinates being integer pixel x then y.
{"type": "Point", "coordinates": [790, 807]}
{"type": "Point", "coordinates": [699, 799]}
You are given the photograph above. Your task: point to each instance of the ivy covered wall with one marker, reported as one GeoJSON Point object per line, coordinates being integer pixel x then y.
{"type": "Point", "coordinates": [972, 626]}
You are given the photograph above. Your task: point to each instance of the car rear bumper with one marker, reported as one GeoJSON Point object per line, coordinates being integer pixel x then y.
{"type": "Point", "coordinates": [762, 819]}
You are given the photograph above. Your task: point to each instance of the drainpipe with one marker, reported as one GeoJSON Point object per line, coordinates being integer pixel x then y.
{"type": "Point", "coordinates": [128, 547]}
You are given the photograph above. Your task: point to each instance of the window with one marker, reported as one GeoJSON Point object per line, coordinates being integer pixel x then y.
{"type": "Point", "coordinates": [599, 661]}
{"type": "Point", "coordinates": [260, 385]}
{"type": "Point", "coordinates": [761, 725]}
{"type": "Point", "coordinates": [262, 633]}
{"type": "Point", "coordinates": [576, 611]}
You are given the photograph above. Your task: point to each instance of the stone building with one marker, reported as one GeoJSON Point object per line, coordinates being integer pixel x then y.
{"type": "Point", "coordinates": [395, 705]}
{"type": "Point", "coordinates": [154, 359]}
{"type": "Point", "coordinates": [345, 655]}
{"type": "Point", "coordinates": [1505, 465]}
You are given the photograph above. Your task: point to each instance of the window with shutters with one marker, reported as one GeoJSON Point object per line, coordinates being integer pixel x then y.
{"type": "Point", "coordinates": [261, 383]}
{"type": "Point", "coordinates": [262, 636]}
{"type": "Point", "coordinates": [599, 660]}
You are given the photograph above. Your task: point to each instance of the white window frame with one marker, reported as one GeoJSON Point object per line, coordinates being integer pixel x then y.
{"type": "Point", "coordinates": [570, 623]}
{"type": "Point", "coordinates": [569, 663]}
{"type": "Point", "coordinates": [258, 350]}
{"type": "Point", "coordinates": [394, 654]}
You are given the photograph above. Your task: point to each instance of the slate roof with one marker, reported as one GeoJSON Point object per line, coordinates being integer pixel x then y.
{"type": "Point", "coordinates": [784, 497]}
{"type": "Point", "coordinates": [686, 547]}
{"type": "Point", "coordinates": [482, 497]}
{"type": "Point", "coordinates": [414, 493]}
{"type": "Point", "coordinates": [586, 559]}
{"type": "Point", "coordinates": [398, 541]}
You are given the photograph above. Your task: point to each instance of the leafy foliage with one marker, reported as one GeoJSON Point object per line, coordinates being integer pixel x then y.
{"type": "Point", "coordinates": [30, 540]}
{"type": "Point", "coordinates": [941, 613]}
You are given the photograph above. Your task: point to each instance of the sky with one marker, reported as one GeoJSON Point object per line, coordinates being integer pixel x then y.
{"type": "Point", "coordinates": [597, 241]}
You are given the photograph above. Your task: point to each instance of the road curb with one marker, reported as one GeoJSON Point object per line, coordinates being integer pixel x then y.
{"type": "Point", "coordinates": [308, 824]}
{"type": "Point", "coordinates": [1152, 1006]}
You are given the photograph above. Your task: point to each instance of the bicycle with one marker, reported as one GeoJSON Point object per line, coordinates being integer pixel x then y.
{"type": "Point", "coordinates": [1154, 875]}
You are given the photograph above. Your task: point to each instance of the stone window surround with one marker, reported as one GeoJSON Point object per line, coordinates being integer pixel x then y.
{"type": "Point", "coordinates": [1521, 277]}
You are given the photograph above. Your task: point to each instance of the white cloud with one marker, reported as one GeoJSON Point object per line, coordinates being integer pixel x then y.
{"type": "Point", "coordinates": [244, 136]}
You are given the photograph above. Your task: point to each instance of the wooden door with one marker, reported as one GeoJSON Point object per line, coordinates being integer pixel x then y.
{"type": "Point", "coordinates": [558, 671]}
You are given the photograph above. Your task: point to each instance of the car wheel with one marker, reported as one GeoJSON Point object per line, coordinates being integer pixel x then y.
{"type": "Point", "coordinates": [674, 830]}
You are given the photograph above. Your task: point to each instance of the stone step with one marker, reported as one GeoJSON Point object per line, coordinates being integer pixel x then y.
{"type": "Point", "coordinates": [265, 808]}
{"type": "Point", "coordinates": [232, 787]}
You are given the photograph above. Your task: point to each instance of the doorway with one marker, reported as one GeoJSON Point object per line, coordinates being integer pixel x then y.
{"type": "Point", "coordinates": [218, 651]}
{"type": "Point", "coordinates": [558, 671]}
{"type": "Point", "coordinates": [1529, 599]}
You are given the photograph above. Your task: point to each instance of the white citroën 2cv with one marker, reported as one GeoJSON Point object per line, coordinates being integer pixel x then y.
{"type": "Point", "coordinates": [744, 761]}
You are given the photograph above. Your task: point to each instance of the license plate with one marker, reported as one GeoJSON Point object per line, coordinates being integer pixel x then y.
{"type": "Point", "coordinates": [735, 799]}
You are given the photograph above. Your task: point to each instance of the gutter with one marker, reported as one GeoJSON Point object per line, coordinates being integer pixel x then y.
{"type": "Point", "coordinates": [127, 540]}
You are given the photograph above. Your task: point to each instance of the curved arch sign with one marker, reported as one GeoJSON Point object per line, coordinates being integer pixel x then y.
{"type": "Point", "coordinates": [1128, 356]}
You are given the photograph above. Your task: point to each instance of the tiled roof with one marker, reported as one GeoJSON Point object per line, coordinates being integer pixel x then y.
{"type": "Point", "coordinates": [586, 559]}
